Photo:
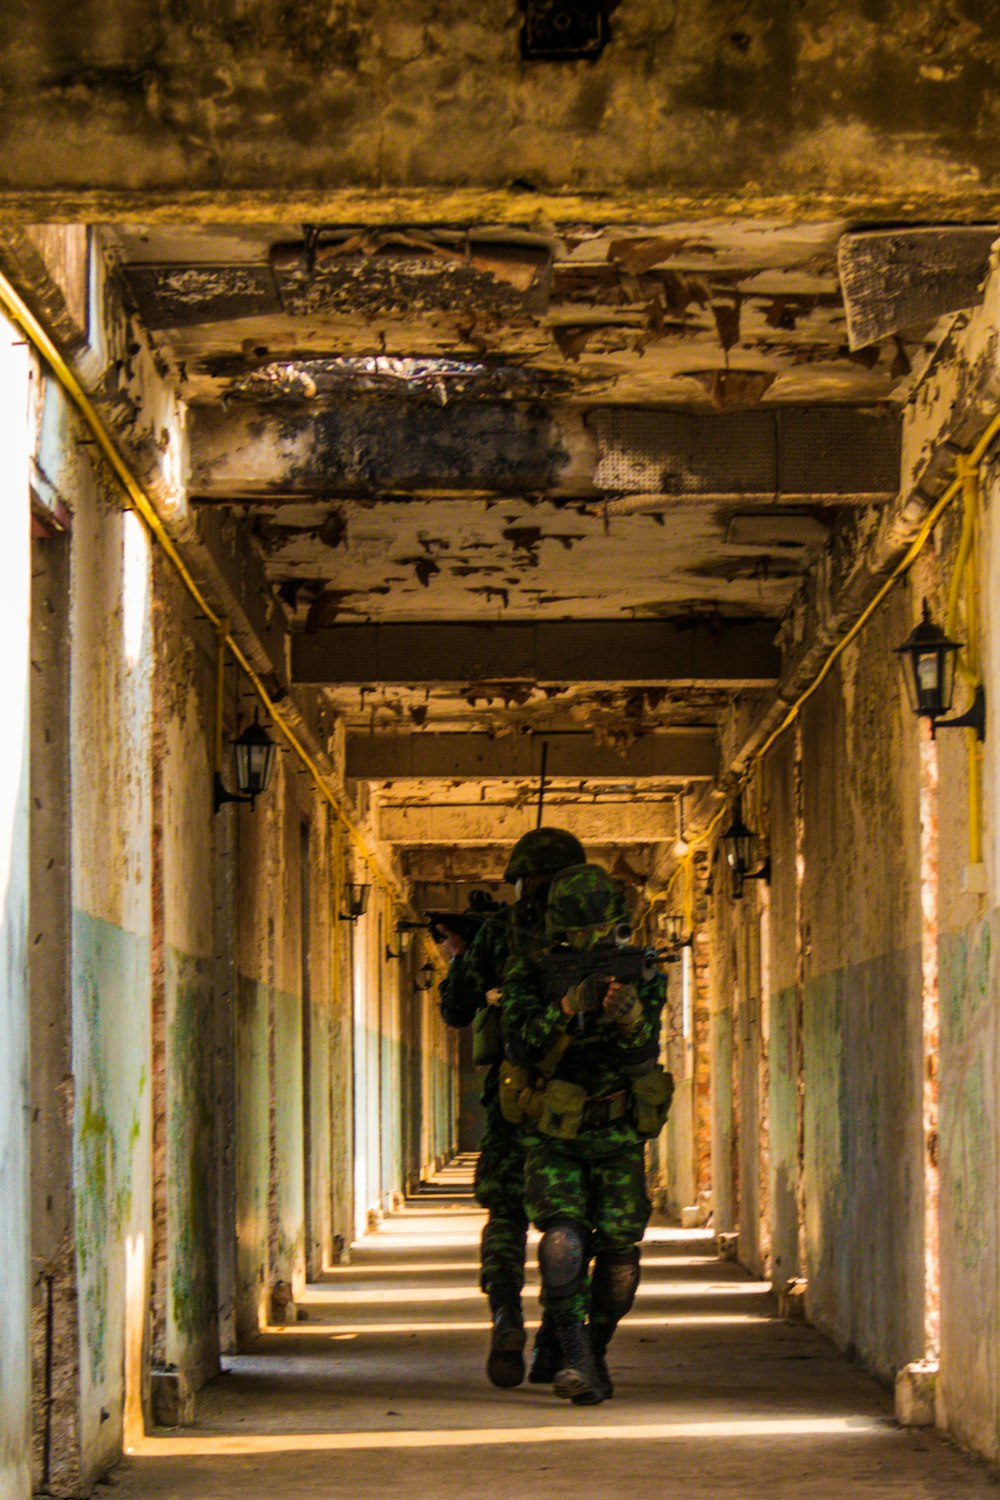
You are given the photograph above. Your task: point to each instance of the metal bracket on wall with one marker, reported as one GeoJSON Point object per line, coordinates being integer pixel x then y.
{"type": "Point", "coordinates": [973, 718]}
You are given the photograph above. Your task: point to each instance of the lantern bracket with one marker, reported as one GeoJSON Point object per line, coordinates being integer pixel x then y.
{"type": "Point", "coordinates": [220, 796]}
{"type": "Point", "coordinates": [673, 954]}
{"type": "Point", "coordinates": [973, 718]}
{"type": "Point", "coordinates": [764, 873]}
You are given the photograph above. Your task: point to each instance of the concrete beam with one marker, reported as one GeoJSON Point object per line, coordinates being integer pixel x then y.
{"type": "Point", "coordinates": [367, 447]}
{"type": "Point", "coordinates": [687, 755]}
{"type": "Point", "coordinates": [736, 655]}
{"type": "Point", "coordinates": [777, 453]}
{"type": "Point", "coordinates": [373, 448]}
{"type": "Point", "coordinates": [469, 864]}
{"type": "Point", "coordinates": [453, 895]}
{"type": "Point", "coordinates": [614, 823]}
{"type": "Point", "coordinates": [187, 110]}
{"type": "Point", "coordinates": [429, 865]}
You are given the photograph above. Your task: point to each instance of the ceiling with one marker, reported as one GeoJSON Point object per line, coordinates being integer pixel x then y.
{"type": "Point", "coordinates": [636, 314]}
{"type": "Point", "coordinates": [655, 426]}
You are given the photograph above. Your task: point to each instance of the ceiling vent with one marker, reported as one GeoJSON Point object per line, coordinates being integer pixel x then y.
{"type": "Point", "coordinates": [556, 30]}
{"type": "Point", "coordinates": [776, 529]}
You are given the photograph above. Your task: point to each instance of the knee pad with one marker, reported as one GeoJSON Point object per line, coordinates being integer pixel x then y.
{"type": "Point", "coordinates": [562, 1257]}
{"type": "Point", "coordinates": [615, 1281]}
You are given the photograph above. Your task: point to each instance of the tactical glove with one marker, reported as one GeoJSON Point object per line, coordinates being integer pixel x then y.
{"type": "Point", "coordinates": [585, 996]}
{"type": "Point", "coordinates": [623, 1007]}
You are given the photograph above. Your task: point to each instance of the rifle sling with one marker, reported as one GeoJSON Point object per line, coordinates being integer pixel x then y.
{"type": "Point", "coordinates": [554, 1056]}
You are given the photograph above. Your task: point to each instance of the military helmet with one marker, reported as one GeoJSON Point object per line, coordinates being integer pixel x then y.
{"type": "Point", "coordinates": [583, 900]}
{"type": "Point", "coordinates": [543, 851]}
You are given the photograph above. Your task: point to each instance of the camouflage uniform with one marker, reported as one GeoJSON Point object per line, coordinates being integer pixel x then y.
{"type": "Point", "coordinates": [587, 1195]}
{"type": "Point", "coordinates": [599, 1177]}
{"type": "Point", "coordinates": [500, 1168]}
{"type": "Point", "coordinates": [499, 1181]}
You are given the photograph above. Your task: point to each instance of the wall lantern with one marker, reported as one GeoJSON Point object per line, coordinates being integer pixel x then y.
{"type": "Point", "coordinates": [254, 752]}
{"type": "Point", "coordinates": [740, 844]}
{"type": "Point", "coordinates": [927, 660]}
{"type": "Point", "coordinates": [425, 977]}
{"type": "Point", "coordinates": [672, 928]}
{"type": "Point", "coordinates": [404, 937]}
{"type": "Point", "coordinates": [356, 901]}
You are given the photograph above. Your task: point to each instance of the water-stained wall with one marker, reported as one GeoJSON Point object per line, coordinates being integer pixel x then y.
{"type": "Point", "coordinates": [818, 1054]}
{"type": "Point", "coordinates": [186, 999]}
{"type": "Point", "coordinates": [15, 1367]}
{"type": "Point", "coordinates": [862, 1003]}
{"type": "Point", "coordinates": [193, 996]}
{"type": "Point", "coordinates": [882, 927]}
{"type": "Point", "coordinates": [784, 992]}
{"type": "Point", "coordinates": [111, 745]}
{"type": "Point", "coordinates": [969, 984]}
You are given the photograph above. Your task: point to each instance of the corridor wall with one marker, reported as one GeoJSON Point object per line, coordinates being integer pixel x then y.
{"type": "Point", "coordinates": [112, 934]}
{"type": "Point", "coordinates": [863, 1180]}
{"type": "Point", "coordinates": [877, 1048]}
{"type": "Point", "coordinates": [15, 1391]}
{"type": "Point", "coordinates": [178, 1150]}
{"type": "Point", "coordinates": [969, 1064]}
{"type": "Point", "coordinates": [818, 1054]}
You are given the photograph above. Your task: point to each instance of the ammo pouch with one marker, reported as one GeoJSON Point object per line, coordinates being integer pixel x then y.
{"type": "Point", "coordinates": [651, 1096]}
{"type": "Point", "coordinates": [487, 1036]}
{"type": "Point", "coordinates": [520, 1097]}
{"type": "Point", "coordinates": [522, 1090]}
{"type": "Point", "coordinates": [562, 1109]}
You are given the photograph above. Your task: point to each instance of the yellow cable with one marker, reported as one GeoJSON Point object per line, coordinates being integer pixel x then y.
{"type": "Point", "coordinates": [221, 632]}
{"type": "Point", "coordinates": [968, 474]}
{"type": "Point", "coordinates": [21, 315]}
{"type": "Point", "coordinates": [965, 582]}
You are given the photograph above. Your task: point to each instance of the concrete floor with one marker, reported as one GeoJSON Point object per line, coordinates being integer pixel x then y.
{"type": "Point", "coordinates": [382, 1393]}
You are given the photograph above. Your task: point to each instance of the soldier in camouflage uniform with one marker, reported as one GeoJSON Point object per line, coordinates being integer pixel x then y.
{"type": "Point", "coordinates": [594, 1051]}
{"type": "Point", "coordinates": [475, 974]}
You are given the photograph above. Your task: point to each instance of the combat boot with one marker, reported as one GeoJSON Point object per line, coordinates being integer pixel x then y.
{"type": "Point", "coordinates": [612, 1292]}
{"type": "Point", "coordinates": [578, 1380]}
{"type": "Point", "coordinates": [598, 1347]}
{"type": "Point", "coordinates": [505, 1364]}
{"type": "Point", "coordinates": [546, 1355]}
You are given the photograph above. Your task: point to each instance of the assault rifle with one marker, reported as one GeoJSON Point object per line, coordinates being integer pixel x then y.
{"type": "Point", "coordinates": [481, 908]}
{"type": "Point", "coordinates": [564, 968]}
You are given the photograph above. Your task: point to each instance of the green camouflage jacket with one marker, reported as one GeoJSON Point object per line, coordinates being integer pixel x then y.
{"type": "Point", "coordinates": [478, 969]}
{"type": "Point", "coordinates": [600, 1052]}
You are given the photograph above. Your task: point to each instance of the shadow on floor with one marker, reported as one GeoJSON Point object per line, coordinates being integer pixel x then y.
{"type": "Point", "coordinates": [382, 1393]}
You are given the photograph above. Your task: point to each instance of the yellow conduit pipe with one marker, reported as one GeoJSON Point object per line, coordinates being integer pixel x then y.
{"type": "Point", "coordinates": [221, 634]}
{"type": "Point", "coordinates": [688, 895]}
{"type": "Point", "coordinates": [21, 315]}
{"type": "Point", "coordinates": [965, 583]}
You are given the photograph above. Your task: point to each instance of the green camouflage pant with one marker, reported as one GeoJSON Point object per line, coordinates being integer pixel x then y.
{"type": "Point", "coordinates": [603, 1189]}
{"type": "Point", "coordinates": [500, 1190]}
